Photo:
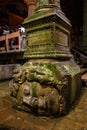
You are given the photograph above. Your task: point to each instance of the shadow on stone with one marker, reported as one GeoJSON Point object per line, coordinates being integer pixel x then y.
{"type": "Point", "coordinates": [2, 127]}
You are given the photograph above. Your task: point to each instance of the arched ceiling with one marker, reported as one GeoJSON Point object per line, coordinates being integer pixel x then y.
{"type": "Point", "coordinates": [72, 9]}
{"type": "Point", "coordinates": [12, 12]}
{"type": "Point", "coordinates": [18, 8]}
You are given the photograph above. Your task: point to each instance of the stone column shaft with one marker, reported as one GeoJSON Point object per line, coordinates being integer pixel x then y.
{"type": "Point", "coordinates": [31, 6]}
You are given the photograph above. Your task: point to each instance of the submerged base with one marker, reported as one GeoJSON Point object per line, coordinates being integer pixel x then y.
{"type": "Point", "coordinates": [45, 88]}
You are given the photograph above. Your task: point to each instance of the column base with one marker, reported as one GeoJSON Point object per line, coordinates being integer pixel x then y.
{"type": "Point", "coordinates": [45, 88]}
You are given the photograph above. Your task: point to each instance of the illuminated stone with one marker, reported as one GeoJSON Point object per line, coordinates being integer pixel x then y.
{"type": "Point", "coordinates": [50, 81]}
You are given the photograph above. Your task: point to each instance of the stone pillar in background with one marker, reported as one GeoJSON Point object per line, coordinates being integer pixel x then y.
{"type": "Point", "coordinates": [84, 44]}
{"type": "Point", "coordinates": [31, 6]}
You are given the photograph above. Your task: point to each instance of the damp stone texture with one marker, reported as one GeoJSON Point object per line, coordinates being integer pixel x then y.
{"type": "Point", "coordinates": [49, 82]}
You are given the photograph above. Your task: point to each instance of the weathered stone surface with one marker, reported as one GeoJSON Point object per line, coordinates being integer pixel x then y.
{"type": "Point", "coordinates": [48, 34]}
{"type": "Point", "coordinates": [10, 118]}
{"type": "Point", "coordinates": [50, 84]}
{"type": "Point", "coordinates": [48, 3]}
{"type": "Point", "coordinates": [45, 88]}
{"type": "Point", "coordinates": [6, 71]}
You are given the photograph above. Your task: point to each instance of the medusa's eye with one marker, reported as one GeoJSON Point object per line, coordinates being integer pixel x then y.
{"type": "Point", "coordinates": [26, 92]}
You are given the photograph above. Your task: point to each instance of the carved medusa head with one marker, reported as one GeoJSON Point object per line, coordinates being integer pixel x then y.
{"type": "Point", "coordinates": [36, 89]}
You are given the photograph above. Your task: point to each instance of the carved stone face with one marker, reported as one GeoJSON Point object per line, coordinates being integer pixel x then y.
{"type": "Point", "coordinates": [38, 91]}
{"type": "Point", "coordinates": [43, 99]}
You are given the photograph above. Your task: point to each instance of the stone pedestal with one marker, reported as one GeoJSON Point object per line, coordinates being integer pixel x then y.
{"type": "Point", "coordinates": [48, 34]}
{"type": "Point", "coordinates": [50, 81]}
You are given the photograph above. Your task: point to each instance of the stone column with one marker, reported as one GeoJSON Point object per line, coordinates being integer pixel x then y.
{"type": "Point", "coordinates": [50, 81]}
{"type": "Point", "coordinates": [84, 44]}
{"type": "Point", "coordinates": [31, 6]}
{"type": "Point", "coordinates": [47, 3]}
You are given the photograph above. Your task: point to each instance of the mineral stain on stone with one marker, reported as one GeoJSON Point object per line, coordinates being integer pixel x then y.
{"type": "Point", "coordinates": [49, 82]}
